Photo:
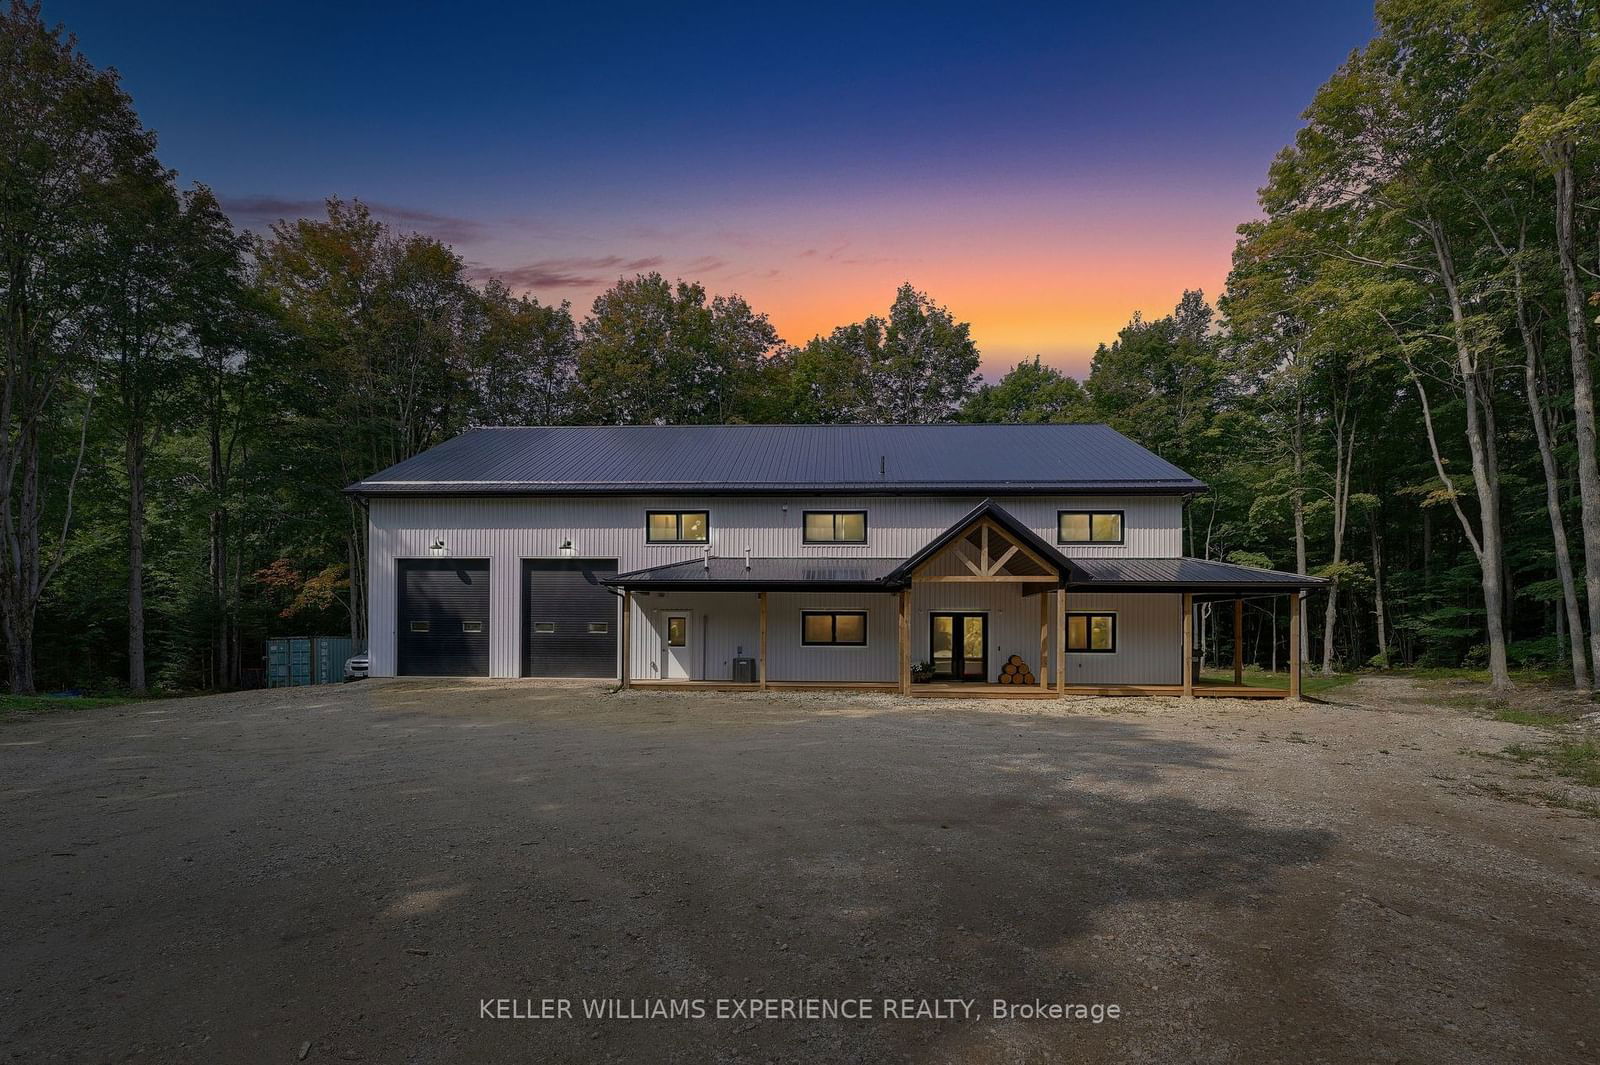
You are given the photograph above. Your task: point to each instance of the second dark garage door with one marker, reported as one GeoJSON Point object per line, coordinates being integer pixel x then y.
{"type": "Point", "coordinates": [569, 619]}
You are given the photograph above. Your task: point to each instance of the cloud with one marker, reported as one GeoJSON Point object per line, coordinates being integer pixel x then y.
{"type": "Point", "coordinates": [258, 212]}
{"type": "Point", "coordinates": [575, 272]}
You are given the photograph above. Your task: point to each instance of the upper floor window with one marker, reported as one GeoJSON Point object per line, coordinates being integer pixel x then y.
{"type": "Point", "coordinates": [1089, 526]}
{"type": "Point", "coordinates": [836, 526]}
{"type": "Point", "coordinates": [678, 526]}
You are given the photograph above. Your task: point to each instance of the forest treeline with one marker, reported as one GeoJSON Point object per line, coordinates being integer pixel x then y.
{"type": "Point", "coordinates": [1395, 390]}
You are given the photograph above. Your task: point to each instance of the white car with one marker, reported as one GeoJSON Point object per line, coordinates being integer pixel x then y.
{"type": "Point", "coordinates": [355, 667]}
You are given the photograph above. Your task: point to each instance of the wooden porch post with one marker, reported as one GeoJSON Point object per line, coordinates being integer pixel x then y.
{"type": "Point", "coordinates": [1238, 640]}
{"type": "Point", "coordinates": [761, 668]}
{"type": "Point", "coordinates": [1044, 639]}
{"type": "Point", "coordinates": [1294, 645]}
{"type": "Point", "coordinates": [905, 641]}
{"type": "Point", "coordinates": [1188, 645]}
{"type": "Point", "coordinates": [627, 631]}
{"type": "Point", "coordinates": [1061, 643]}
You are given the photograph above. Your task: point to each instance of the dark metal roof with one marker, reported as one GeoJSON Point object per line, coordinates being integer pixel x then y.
{"type": "Point", "coordinates": [929, 459]}
{"type": "Point", "coordinates": [1001, 517]}
{"type": "Point", "coordinates": [1194, 573]}
{"type": "Point", "coordinates": [862, 574]}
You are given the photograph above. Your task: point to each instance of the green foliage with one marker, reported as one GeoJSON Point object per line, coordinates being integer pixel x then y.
{"type": "Point", "coordinates": [917, 365]}
{"type": "Point", "coordinates": [1029, 392]}
{"type": "Point", "coordinates": [658, 353]}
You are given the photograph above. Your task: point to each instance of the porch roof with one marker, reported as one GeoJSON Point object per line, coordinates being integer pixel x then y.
{"type": "Point", "coordinates": [1182, 574]}
{"type": "Point", "coordinates": [730, 574]}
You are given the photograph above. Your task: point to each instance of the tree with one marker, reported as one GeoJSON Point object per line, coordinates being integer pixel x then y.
{"type": "Point", "coordinates": [141, 349]}
{"type": "Point", "coordinates": [68, 134]}
{"type": "Point", "coordinates": [1029, 392]}
{"type": "Point", "coordinates": [1162, 382]}
{"type": "Point", "coordinates": [1269, 317]}
{"type": "Point", "coordinates": [1380, 159]}
{"type": "Point", "coordinates": [378, 322]}
{"type": "Point", "coordinates": [657, 353]}
{"type": "Point", "coordinates": [927, 365]}
{"type": "Point", "coordinates": [1541, 75]}
{"type": "Point", "coordinates": [232, 335]}
{"type": "Point", "coordinates": [522, 358]}
{"type": "Point", "coordinates": [917, 365]}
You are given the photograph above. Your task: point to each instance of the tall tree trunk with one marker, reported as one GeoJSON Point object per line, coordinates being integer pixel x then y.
{"type": "Point", "coordinates": [1377, 595]}
{"type": "Point", "coordinates": [1304, 650]}
{"type": "Point", "coordinates": [217, 562]}
{"type": "Point", "coordinates": [1488, 545]}
{"type": "Point", "coordinates": [1344, 439]}
{"type": "Point", "coordinates": [21, 509]}
{"type": "Point", "coordinates": [1582, 395]}
{"type": "Point", "coordinates": [134, 456]}
{"type": "Point", "coordinates": [1532, 384]}
{"type": "Point", "coordinates": [358, 573]}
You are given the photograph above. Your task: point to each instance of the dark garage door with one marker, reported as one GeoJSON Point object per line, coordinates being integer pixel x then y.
{"type": "Point", "coordinates": [443, 626]}
{"type": "Point", "coordinates": [569, 619]}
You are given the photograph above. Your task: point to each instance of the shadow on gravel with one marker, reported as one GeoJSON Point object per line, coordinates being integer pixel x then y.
{"type": "Point", "coordinates": [313, 878]}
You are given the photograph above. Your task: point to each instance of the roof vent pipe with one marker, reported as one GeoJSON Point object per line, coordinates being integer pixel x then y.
{"type": "Point", "coordinates": [883, 467]}
{"type": "Point", "coordinates": [747, 558]}
{"type": "Point", "coordinates": [706, 558]}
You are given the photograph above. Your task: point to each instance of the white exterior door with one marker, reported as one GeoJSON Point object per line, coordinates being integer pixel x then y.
{"type": "Point", "coordinates": [677, 645]}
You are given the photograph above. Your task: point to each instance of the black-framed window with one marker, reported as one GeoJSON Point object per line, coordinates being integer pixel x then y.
{"type": "Point", "coordinates": [835, 526]}
{"type": "Point", "coordinates": [833, 628]}
{"type": "Point", "coordinates": [1090, 633]}
{"type": "Point", "coordinates": [677, 526]}
{"type": "Point", "coordinates": [1089, 527]}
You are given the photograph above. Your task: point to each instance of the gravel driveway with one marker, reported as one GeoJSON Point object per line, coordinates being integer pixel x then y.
{"type": "Point", "coordinates": [347, 873]}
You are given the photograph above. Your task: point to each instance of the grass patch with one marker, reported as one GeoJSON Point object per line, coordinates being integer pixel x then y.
{"type": "Point", "coordinates": [1528, 678]}
{"type": "Point", "coordinates": [1550, 799]}
{"type": "Point", "coordinates": [1310, 683]}
{"type": "Point", "coordinates": [1537, 718]}
{"type": "Point", "coordinates": [1577, 760]}
{"type": "Point", "coordinates": [24, 705]}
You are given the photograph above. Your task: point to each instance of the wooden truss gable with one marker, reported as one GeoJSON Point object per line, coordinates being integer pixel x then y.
{"type": "Point", "coordinates": [986, 552]}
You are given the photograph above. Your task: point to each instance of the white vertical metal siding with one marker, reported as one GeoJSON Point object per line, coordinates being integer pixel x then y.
{"type": "Point", "coordinates": [789, 659]}
{"type": "Point", "coordinates": [1149, 640]}
{"type": "Point", "coordinates": [505, 531]}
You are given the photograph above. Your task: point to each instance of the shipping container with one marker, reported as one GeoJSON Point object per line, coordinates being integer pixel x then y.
{"type": "Point", "coordinates": [297, 660]}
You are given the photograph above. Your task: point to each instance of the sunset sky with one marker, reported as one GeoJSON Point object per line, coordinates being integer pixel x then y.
{"type": "Point", "coordinates": [1044, 171]}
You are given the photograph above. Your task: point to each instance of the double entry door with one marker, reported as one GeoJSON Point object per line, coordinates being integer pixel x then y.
{"type": "Point", "coordinates": [960, 646]}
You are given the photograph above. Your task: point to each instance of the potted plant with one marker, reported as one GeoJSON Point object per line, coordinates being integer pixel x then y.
{"type": "Point", "coordinates": [921, 672]}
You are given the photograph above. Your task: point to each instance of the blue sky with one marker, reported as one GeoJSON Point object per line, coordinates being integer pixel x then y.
{"type": "Point", "coordinates": [1043, 170]}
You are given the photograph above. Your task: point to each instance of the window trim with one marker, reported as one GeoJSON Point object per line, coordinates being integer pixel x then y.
{"type": "Point", "coordinates": [1089, 616]}
{"type": "Point", "coordinates": [805, 517]}
{"type": "Point", "coordinates": [834, 627]}
{"type": "Point", "coordinates": [679, 515]}
{"type": "Point", "coordinates": [1122, 527]}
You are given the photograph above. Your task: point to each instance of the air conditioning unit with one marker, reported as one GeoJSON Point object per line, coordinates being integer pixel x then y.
{"type": "Point", "coordinates": [744, 671]}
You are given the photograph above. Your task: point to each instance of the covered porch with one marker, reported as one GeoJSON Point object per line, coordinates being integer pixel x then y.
{"type": "Point", "coordinates": [987, 609]}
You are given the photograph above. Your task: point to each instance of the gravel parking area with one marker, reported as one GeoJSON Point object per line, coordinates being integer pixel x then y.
{"type": "Point", "coordinates": [346, 873]}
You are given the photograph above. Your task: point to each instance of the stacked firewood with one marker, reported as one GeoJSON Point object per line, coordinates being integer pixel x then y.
{"type": "Point", "coordinates": [1016, 671]}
